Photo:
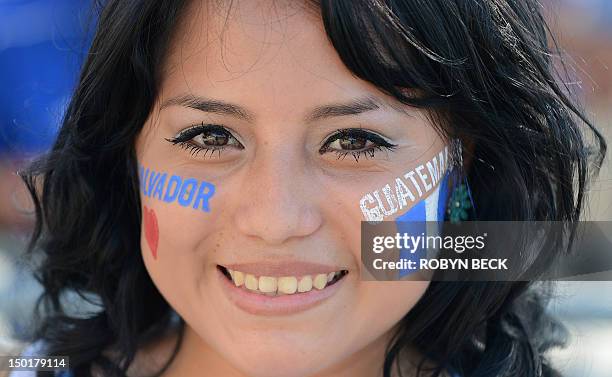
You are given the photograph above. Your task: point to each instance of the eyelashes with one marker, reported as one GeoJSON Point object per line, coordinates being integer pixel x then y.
{"type": "Point", "coordinates": [206, 138]}
{"type": "Point", "coordinates": [211, 138]}
{"type": "Point", "coordinates": [357, 142]}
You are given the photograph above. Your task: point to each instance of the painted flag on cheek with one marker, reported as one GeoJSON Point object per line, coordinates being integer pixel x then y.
{"type": "Point", "coordinates": [414, 222]}
{"type": "Point", "coordinates": [426, 217]}
{"type": "Point", "coordinates": [425, 190]}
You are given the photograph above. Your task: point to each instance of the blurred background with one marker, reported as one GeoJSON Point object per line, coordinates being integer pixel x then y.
{"type": "Point", "coordinates": [43, 43]}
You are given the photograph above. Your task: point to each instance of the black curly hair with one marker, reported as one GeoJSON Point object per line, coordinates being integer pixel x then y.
{"type": "Point", "coordinates": [485, 69]}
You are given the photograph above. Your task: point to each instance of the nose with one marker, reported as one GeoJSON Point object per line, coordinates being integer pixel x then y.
{"type": "Point", "coordinates": [278, 203]}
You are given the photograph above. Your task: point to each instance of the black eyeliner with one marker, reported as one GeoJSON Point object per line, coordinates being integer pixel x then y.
{"type": "Point", "coordinates": [194, 131]}
{"type": "Point", "coordinates": [357, 132]}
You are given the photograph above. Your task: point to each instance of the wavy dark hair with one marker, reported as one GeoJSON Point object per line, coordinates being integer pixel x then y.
{"type": "Point", "coordinates": [486, 69]}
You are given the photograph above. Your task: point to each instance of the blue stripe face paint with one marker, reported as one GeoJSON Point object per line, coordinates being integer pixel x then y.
{"type": "Point", "coordinates": [427, 186]}
{"type": "Point", "coordinates": [413, 222]}
{"type": "Point", "coordinates": [188, 192]}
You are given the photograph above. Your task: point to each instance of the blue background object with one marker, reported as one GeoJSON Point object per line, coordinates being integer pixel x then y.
{"type": "Point", "coordinates": [42, 45]}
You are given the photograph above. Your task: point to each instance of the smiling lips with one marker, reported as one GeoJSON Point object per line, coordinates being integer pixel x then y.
{"type": "Point", "coordinates": [280, 289]}
{"type": "Point", "coordinates": [282, 285]}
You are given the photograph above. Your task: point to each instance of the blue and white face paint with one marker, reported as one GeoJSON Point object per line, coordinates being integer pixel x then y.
{"type": "Point", "coordinates": [425, 189]}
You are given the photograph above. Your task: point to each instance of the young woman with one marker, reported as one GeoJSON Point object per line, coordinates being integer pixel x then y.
{"type": "Point", "coordinates": [206, 189]}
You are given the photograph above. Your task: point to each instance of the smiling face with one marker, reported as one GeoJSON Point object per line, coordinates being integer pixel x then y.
{"type": "Point", "coordinates": [253, 164]}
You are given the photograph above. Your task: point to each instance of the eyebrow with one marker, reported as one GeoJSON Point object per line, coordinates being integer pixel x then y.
{"type": "Point", "coordinates": [352, 107]}
{"type": "Point", "coordinates": [209, 106]}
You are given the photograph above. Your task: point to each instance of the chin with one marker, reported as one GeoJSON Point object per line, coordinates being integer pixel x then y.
{"type": "Point", "coordinates": [285, 363]}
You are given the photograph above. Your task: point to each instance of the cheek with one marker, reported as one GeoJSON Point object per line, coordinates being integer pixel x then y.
{"type": "Point", "coordinates": [379, 307]}
{"type": "Point", "coordinates": [386, 302]}
{"type": "Point", "coordinates": [176, 260]}
{"type": "Point", "coordinates": [175, 209]}
{"type": "Point", "coordinates": [150, 229]}
{"type": "Point", "coordinates": [389, 301]}
{"type": "Point", "coordinates": [180, 217]}
{"type": "Point", "coordinates": [172, 233]}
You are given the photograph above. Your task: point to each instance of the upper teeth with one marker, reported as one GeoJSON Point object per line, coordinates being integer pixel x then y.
{"type": "Point", "coordinates": [281, 285]}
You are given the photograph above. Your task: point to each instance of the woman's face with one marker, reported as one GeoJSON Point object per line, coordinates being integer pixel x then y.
{"type": "Point", "coordinates": [271, 190]}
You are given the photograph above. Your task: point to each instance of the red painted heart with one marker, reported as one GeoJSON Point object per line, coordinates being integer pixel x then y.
{"type": "Point", "coordinates": [151, 230]}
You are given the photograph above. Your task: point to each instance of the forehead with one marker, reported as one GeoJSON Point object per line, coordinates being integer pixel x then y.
{"type": "Point", "coordinates": [268, 55]}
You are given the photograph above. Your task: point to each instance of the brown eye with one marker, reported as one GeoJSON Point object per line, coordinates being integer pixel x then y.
{"type": "Point", "coordinates": [356, 142]}
{"type": "Point", "coordinates": [351, 143]}
{"type": "Point", "coordinates": [206, 138]}
{"type": "Point", "coordinates": [212, 138]}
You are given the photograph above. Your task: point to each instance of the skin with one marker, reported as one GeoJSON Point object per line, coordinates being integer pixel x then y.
{"type": "Point", "coordinates": [276, 199]}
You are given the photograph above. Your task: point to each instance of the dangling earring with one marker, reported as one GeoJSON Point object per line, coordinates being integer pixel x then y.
{"type": "Point", "coordinates": [459, 204]}
{"type": "Point", "coordinates": [460, 201]}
